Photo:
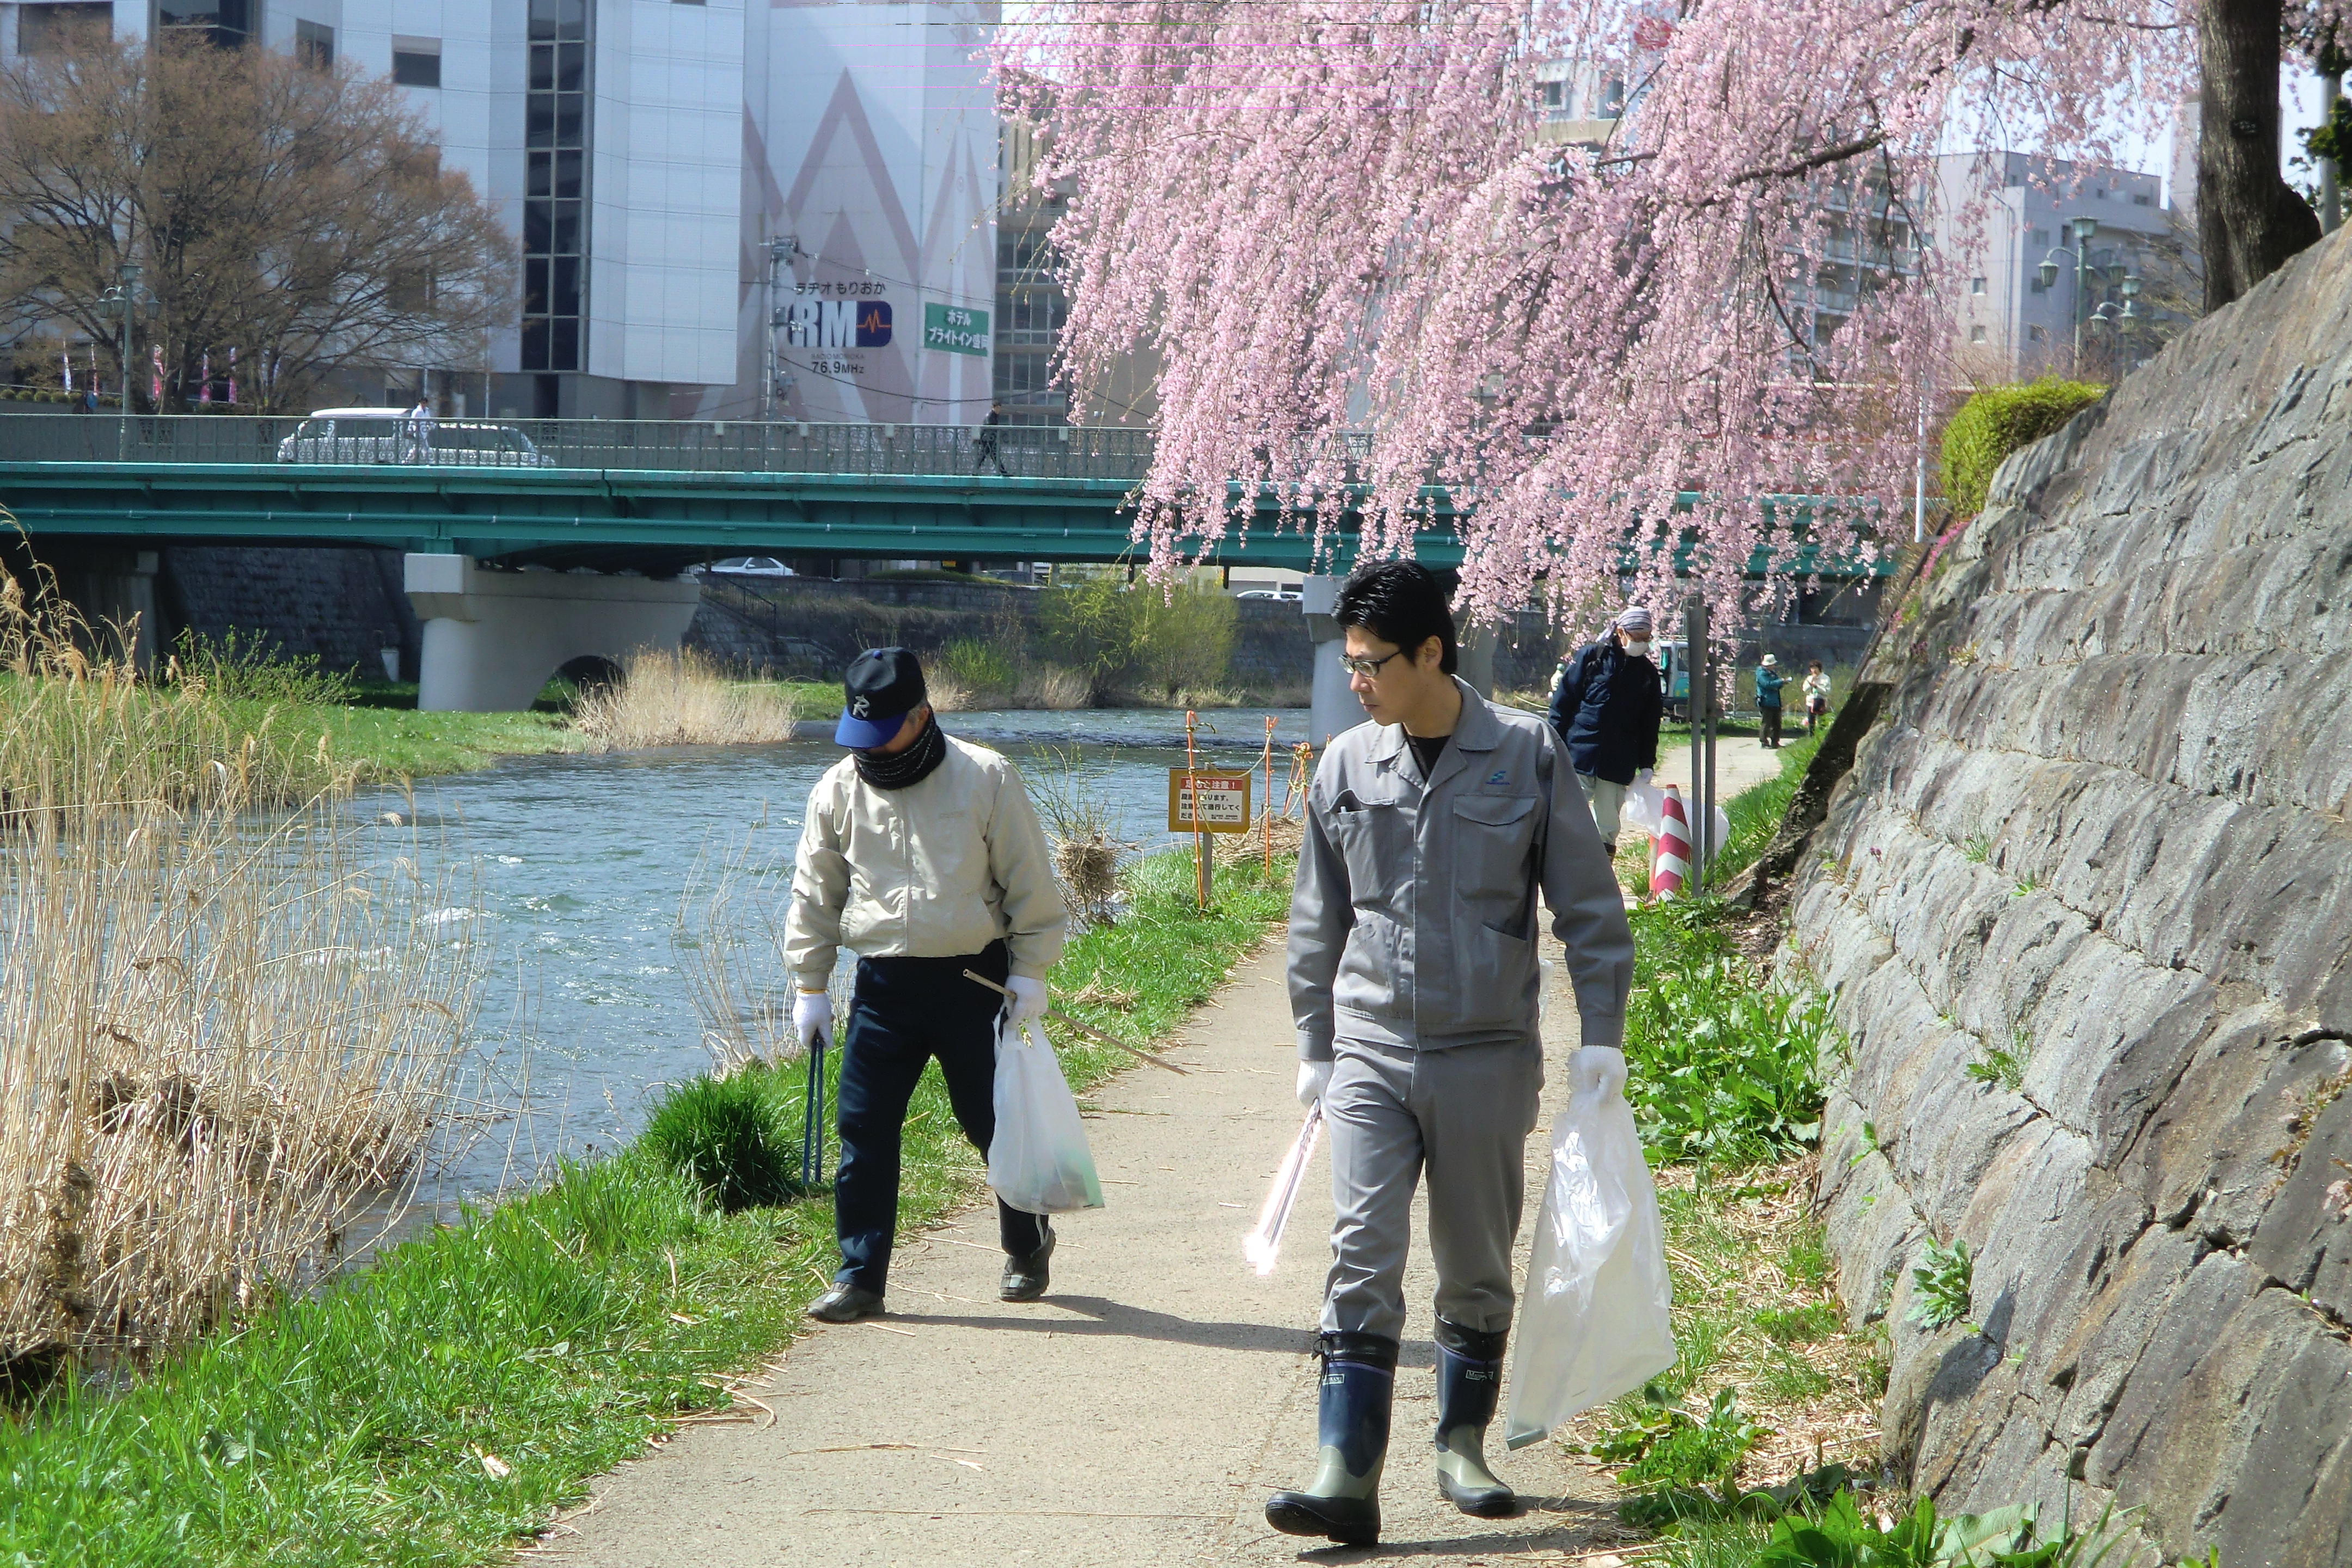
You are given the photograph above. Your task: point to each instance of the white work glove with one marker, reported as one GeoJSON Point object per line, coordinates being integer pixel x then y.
{"type": "Point", "coordinates": [1596, 1069]}
{"type": "Point", "coordinates": [813, 1019]}
{"type": "Point", "coordinates": [1314, 1078]}
{"type": "Point", "coordinates": [1643, 778]}
{"type": "Point", "coordinates": [1028, 1000]}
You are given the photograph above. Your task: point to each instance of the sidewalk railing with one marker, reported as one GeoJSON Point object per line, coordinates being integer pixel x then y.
{"type": "Point", "coordinates": [728, 446]}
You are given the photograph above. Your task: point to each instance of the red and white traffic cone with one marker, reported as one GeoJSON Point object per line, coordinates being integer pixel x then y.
{"type": "Point", "coordinates": [1670, 859]}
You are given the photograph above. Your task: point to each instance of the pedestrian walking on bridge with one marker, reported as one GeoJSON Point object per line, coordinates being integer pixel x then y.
{"type": "Point", "coordinates": [922, 854]}
{"type": "Point", "coordinates": [1413, 981]}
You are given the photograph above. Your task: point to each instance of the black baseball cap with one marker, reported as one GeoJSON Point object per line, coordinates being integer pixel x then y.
{"type": "Point", "coordinates": [883, 686]}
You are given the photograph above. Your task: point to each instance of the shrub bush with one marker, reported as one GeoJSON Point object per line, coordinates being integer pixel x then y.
{"type": "Point", "coordinates": [725, 1135]}
{"type": "Point", "coordinates": [1998, 421]}
{"type": "Point", "coordinates": [978, 665]}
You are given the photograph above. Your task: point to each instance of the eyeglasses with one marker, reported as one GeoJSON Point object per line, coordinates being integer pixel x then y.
{"type": "Point", "coordinates": [1367, 667]}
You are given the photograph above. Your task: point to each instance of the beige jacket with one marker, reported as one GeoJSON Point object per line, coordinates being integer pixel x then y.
{"type": "Point", "coordinates": [938, 869]}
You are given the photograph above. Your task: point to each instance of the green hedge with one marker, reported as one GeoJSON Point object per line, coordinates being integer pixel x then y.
{"type": "Point", "coordinates": [1998, 421]}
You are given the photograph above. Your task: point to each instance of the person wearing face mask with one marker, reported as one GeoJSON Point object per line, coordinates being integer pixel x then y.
{"type": "Point", "coordinates": [920, 854]}
{"type": "Point", "coordinates": [1606, 704]}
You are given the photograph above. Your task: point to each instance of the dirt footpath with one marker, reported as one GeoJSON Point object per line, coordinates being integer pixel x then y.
{"type": "Point", "coordinates": [1137, 1415]}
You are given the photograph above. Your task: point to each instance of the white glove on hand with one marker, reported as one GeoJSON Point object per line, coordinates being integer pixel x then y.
{"type": "Point", "coordinates": [813, 1019]}
{"type": "Point", "coordinates": [1643, 778]}
{"type": "Point", "coordinates": [1028, 999]}
{"type": "Point", "coordinates": [1596, 1069]}
{"type": "Point", "coordinates": [1314, 1078]}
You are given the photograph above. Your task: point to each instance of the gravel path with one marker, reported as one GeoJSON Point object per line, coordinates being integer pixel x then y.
{"type": "Point", "coordinates": [1139, 1415]}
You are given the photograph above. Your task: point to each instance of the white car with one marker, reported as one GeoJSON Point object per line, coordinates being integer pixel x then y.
{"type": "Point", "coordinates": [752, 566]}
{"type": "Point", "coordinates": [1284, 596]}
{"type": "Point", "coordinates": [395, 436]}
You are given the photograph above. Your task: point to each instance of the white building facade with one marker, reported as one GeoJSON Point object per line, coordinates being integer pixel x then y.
{"type": "Point", "coordinates": [2000, 214]}
{"type": "Point", "coordinates": [722, 209]}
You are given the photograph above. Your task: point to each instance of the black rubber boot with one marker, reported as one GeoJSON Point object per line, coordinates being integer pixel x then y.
{"type": "Point", "coordinates": [1342, 1503]}
{"type": "Point", "coordinates": [1469, 1380]}
{"type": "Point", "coordinates": [1027, 1279]}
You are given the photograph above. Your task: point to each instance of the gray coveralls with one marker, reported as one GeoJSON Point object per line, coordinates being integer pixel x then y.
{"type": "Point", "coordinates": [1412, 970]}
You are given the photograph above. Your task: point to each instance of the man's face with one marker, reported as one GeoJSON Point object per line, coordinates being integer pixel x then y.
{"type": "Point", "coordinates": [909, 732]}
{"type": "Point", "coordinates": [1400, 680]}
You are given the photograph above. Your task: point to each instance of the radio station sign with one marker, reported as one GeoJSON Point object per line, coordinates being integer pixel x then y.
{"type": "Point", "coordinates": [955, 329]}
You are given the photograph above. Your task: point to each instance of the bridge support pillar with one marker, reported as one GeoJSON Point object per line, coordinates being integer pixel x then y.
{"type": "Point", "coordinates": [493, 639]}
{"type": "Point", "coordinates": [1331, 707]}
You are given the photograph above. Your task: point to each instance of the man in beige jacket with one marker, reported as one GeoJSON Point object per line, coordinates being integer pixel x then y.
{"type": "Point", "coordinates": [921, 855]}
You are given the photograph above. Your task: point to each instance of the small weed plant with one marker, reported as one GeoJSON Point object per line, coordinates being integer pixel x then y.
{"type": "Point", "coordinates": [1726, 1066]}
{"type": "Point", "coordinates": [1668, 1446]}
{"type": "Point", "coordinates": [1942, 1282]}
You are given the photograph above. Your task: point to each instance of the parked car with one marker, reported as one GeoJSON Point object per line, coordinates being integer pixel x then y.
{"type": "Point", "coordinates": [752, 566]}
{"type": "Point", "coordinates": [392, 436]}
{"type": "Point", "coordinates": [1284, 596]}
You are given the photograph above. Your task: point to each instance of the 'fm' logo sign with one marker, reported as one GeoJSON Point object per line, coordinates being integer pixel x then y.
{"type": "Point", "coordinates": [837, 323]}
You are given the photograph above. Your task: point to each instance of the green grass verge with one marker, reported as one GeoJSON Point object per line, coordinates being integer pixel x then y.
{"type": "Point", "coordinates": [439, 1403]}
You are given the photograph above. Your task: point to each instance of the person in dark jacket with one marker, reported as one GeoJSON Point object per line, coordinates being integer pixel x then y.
{"type": "Point", "coordinates": [1606, 703]}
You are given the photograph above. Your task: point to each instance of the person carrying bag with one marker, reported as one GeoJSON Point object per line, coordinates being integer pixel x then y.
{"type": "Point", "coordinates": [920, 854]}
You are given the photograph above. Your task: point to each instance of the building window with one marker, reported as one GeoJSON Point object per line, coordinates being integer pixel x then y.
{"type": "Point", "coordinates": [228, 21]}
{"type": "Point", "coordinates": [417, 62]}
{"type": "Point", "coordinates": [1976, 285]}
{"type": "Point", "coordinates": [2041, 237]}
{"type": "Point", "coordinates": [1976, 335]}
{"type": "Point", "coordinates": [314, 45]}
{"type": "Point", "coordinates": [2038, 334]}
{"type": "Point", "coordinates": [2101, 194]}
{"type": "Point", "coordinates": [2035, 286]}
{"type": "Point", "coordinates": [555, 190]}
{"type": "Point", "coordinates": [2143, 198]}
{"type": "Point", "coordinates": [52, 29]}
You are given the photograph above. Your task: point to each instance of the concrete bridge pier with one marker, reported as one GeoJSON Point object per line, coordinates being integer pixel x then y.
{"type": "Point", "coordinates": [492, 639]}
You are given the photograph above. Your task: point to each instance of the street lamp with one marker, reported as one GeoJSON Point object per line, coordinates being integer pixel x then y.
{"type": "Point", "coordinates": [126, 303]}
{"type": "Point", "coordinates": [2084, 227]}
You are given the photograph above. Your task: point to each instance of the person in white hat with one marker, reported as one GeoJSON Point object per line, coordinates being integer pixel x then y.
{"type": "Point", "coordinates": [1768, 681]}
{"type": "Point", "coordinates": [1606, 704]}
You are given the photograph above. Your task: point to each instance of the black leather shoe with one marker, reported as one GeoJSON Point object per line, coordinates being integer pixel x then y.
{"type": "Point", "coordinates": [845, 1304]}
{"type": "Point", "coordinates": [1026, 1279]}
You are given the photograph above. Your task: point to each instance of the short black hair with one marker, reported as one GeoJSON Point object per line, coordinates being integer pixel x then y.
{"type": "Point", "coordinates": [1397, 602]}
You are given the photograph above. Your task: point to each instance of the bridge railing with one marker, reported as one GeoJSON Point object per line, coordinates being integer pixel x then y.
{"type": "Point", "coordinates": [725, 446]}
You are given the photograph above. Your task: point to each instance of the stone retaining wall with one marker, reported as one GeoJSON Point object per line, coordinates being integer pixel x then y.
{"type": "Point", "coordinates": [2100, 826]}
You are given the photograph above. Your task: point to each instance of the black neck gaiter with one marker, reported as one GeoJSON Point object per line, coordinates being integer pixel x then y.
{"type": "Point", "coordinates": [912, 766]}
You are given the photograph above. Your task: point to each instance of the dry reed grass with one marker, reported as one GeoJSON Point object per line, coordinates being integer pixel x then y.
{"type": "Point", "coordinates": [1078, 822]}
{"type": "Point", "coordinates": [729, 945]}
{"type": "Point", "coordinates": [681, 698]}
{"type": "Point", "coordinates": [228, 1026]}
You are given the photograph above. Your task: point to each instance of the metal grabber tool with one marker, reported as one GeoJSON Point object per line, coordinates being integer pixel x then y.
{"type": "Point", "coordinates": [813, 1117]}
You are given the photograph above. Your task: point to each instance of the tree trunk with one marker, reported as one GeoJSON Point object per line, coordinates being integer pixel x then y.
{"type": "Point", "coordinates": [2249, 220]}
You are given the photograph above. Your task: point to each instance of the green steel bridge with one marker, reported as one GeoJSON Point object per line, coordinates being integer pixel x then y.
{"type": "Point", "coordinates": [606, 494]}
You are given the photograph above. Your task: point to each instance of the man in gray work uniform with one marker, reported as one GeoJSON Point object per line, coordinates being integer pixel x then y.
{"type": "Point", "coordinates": [1414, 982]}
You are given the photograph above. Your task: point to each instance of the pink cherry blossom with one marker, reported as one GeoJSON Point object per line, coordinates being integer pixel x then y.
{"type": "Point", "coordinates": [1329, 216]}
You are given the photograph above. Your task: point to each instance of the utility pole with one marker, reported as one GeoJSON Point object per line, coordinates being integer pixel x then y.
{"type": "Point", "coordinates": [2331, 88]}
{"type": "Point", "coordinates": [780, 253]}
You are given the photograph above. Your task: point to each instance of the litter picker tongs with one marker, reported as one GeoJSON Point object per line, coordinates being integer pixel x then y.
{"type": "Point", "coordinates": [1261, 1245]}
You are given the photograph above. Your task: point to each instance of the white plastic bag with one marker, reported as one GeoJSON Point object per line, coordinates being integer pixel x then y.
{"type": "Point", "coordinates": [1038, 1161]}
{"type": "Point", "coordinates": [1593, 1316]}
{"type": "Point", "coordinates": [1643, 808]}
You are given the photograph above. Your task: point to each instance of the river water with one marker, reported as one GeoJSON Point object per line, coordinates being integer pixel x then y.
{"type": "Point", "coordinates": [583, 863]}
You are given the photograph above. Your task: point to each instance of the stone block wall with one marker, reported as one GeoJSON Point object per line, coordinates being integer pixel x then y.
{"type": "Point", "coordinates": [2100, 827]}
{"type": "Point", "coordinates": [343, 605]}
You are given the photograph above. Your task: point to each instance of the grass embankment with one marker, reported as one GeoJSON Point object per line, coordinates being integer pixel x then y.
{"type": "Point", "coordinates": [447, 1400]}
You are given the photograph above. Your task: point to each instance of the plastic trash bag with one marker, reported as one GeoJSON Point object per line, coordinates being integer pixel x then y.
{"type": "Point", "coordinates": [1593, 1316]}
{"type": "Point", "coordinates": [1038, 1161]}
{"type": "Point", "coordinates": [1644, 809]}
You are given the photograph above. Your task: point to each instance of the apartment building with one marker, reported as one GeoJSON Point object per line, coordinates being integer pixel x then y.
{"type": "Point", "coordinates": [722, 210]}
{"type": "Point", "coordinates": [2110, 244]}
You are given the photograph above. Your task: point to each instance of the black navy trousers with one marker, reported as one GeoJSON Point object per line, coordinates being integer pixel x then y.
{"type": "Point", "coordinates": [903, 1013]}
